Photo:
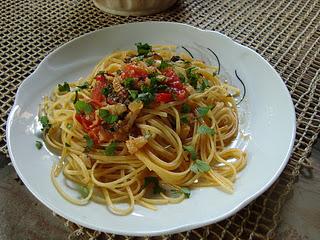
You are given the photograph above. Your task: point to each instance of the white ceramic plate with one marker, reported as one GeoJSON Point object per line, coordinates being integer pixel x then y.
{"type": "Point", "coordinates": [267, 123]}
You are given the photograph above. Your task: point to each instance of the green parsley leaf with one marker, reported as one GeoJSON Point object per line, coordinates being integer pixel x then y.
{"type": "Point", "coordinates": [192, 76]}
{"type": "Point", "coordinates": [128, 82]}
{"type": "Point", "coordinates": [202, 111]}
{"type": "Point", "coordinates": [106, 91]}
{"type": "Point", "coordinates": [192, 151]}
{"type": "Point", "coordinates": [150, 62]}
{"type": "Point", "coordinates": [67, 145]}
{"type": "Point", "coordinates": [69, 125]}
{"type": "Point", "coordinates": [133, 94]}
{"type": "Point", "coordinates": [204, 129]}
{"type": "Point", "coordinates": [83, 107]}
{"type": "Point", "coordinates": [184, 118]}
{"type": "Point", "coordinates": [185, 108]}
{"type": "Point", "coordinates": [39, 145]}
{"type": "Point", "coordinates": [101, 73]}
{"type": "Point", "coordinates": [163, 65]}
{"type": "Point", "coordinates": [89, 141]}
{"type": "Point", "coordinates": [84, 191]}
{"type": "Point", "coordinates": [200, 166]}
{"type": "Point", "coordinates": [107, 116]}
{"type": "Point", "coordinates": [85, 85]}
{"type": "Point", "coordinates": [155, 182]}
{"type": "Point", "coordinates": [143, 49]}
{"type": "Point", "coordinates": [186, 191]}
{"type": "Point", "coordinates": [181, 77]}
{"type": "Point", "coordinates": [204, 85]}
{"type": "Point", "coordinates": [45, 123]}
{"type": "Point", "coordinates": [110, 149]}
{"type": "Point", "coordinates": [146, 97]}
{"type": "Point", "coordinates": [64, 88]}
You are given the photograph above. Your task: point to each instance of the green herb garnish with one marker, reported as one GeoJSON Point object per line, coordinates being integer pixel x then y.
{"type": "Point", "coordinates": [192, 76]}
{"type": "Point", "coordinates": [202, 111]}
{"type": "Point", "coordinates": [204, 129]}
{"type": "Point", "coordinates": [45, 123]}
{"type": "Point", "coordinates": [143, 49]}
{"type": "Point", "coordinates": [204, 85]}
{"type": "Point", "coordinates": [146, 97]}
{"type": "Point", "coordinates": [39, 145]}
{"type": "Point", "coordinates": [84, 191]}
{"type": "Point", "coordinates": [106, 91]}
{"type": "Point", "coordinates": [185, 118]}
{"type": "Point", "coordinates": [186, 191]}
{"type": "Point", "coordinates": [83, 107]}
{"type": "Point", "coordinates": [128, 82]}
{"type": "Point", "coordinates": [200, 166]}
{"type": "Point", "coordinates": [155, 182]}
{"type": "Point", "coordinates": [192, 151]}
{"type": "Point", "coordinates": [89, 141]}
{"type": "Point", "coordinates": [185, 108]}
{"type": "Point", "coordinates": [64, 88]}
{"type": "Point", "coordinates": [163, 65]}
{"type": "Point", "coordinates": [150, 62]}
{"type": "Point", "coordinates": [181, 77]}
{"type": "Point", "coordinates": [85, 85]}
{"type": "Point", "coordinates": [69, 125]}
{"type": "Point", "coordinates": [110, 149]}
{"type": "Point", "coordinates": [107, 116]}
{"type": "Point", "coordinates": [133, 94]}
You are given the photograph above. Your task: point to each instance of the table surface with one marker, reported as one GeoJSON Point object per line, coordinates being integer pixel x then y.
{"type": "Point", "coordinates": [22, 216]}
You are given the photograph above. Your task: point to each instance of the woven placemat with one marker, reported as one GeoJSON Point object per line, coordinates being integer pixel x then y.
{"type": "Point", "coordinates": [284, 32]}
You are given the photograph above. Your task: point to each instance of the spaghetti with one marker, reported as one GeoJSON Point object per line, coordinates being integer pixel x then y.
{"type": "Point", "coordinates": [144, 127]}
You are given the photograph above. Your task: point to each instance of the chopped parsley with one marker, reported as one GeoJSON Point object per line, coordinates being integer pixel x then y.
{"type": "Point", "coordinates": [106, 91]}
{"type": "Point", "coordinates": [186, 191]}
{"type": "Point", "coordinates": [45, 123]}
{"type": "Point", "coordinates": [133, 94]}
{"type": "Point", "coordinates": [143, 49]}
{"type": "Point", "coordinates": [146, 97]}
{"type": "Point", "coordinates": [204, 85]}
{"type": "Point", "coordinates": [69, 125]}
{"type": "Point", "coordinates": [200, 166]}
{"type": "Point", "coordinates": [39, 145]}
{"type": "Point", "coordinates": [202, 111]}
{"type": "Point", "coordinates": [185, 108]}
{"type": "Point", "coordinates": [83, 107]}
{"type": "Point", "coordinates": [128, 82]}
{"type": "Point", "coordinates": [163, 65]}
{"type": "Point", "coordinates": [64, 88]}
{"type": "Point", "coordinates": [181, 77]}
{"type": "Point", "coordinates": [110, 149]}
{"type": "Point", "coordinates": [204, 129]}
{"type": "Point", "coordinates": [192, 76]}
{"type": "Point", "coordinates": [192, 151]}
{"type": "Point", "coordinates": [84, 191]}
{"type": "Point", "coordinates": [184, 118]}
{"type": "Point", "coordinates": [107, 116]}
{"type": "Point", "coordinates": [85, 85]}
{"type": "Point", "coordinates": [155, 182]}
{"type": "Point", "coordinates": [150, 62]}
{"type": "Point", "coordinates": [183, 190]}
{"type": "Point", "coordinates": [89, 142]}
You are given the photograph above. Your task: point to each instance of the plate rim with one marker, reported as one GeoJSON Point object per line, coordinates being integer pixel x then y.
{"type": "Point", "coordinates": [168, 230]}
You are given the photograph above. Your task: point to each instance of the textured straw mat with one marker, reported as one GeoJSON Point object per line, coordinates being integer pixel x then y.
{"type": "Point", "coordinates": [285, 32]}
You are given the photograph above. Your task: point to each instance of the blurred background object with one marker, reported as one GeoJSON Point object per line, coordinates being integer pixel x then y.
{"type": "Point", "coordinates": [133, 7]}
